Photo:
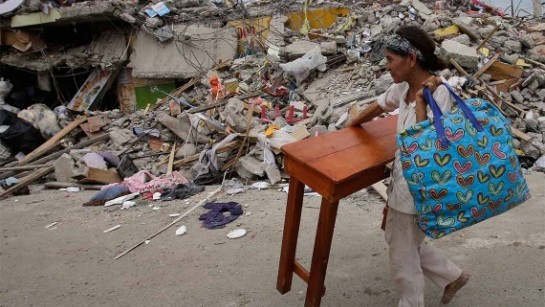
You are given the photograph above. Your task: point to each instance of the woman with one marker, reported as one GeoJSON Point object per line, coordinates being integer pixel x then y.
{"type": "Point", "coordinates": [411, 61]}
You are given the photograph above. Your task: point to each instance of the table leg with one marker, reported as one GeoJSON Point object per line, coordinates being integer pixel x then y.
{"type": "Point", "coordinates": [320, 255]}
{"type": "Point", "coordinates": [289, 238]}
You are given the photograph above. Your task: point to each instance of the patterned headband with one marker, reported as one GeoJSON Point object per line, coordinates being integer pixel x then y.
{"type": "Point", "coordinates": [400, 44]}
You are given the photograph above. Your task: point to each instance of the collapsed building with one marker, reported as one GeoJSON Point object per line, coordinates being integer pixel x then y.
{"type": "Point", "coordinates": [197, 91]}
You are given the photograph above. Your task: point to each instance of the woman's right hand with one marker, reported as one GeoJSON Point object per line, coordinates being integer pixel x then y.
{"type": "Point", "coordinates": [432, 83]}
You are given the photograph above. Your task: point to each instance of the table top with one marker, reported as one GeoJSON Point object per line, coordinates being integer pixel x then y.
{"type": "Point", "coordinates": [342, 162]}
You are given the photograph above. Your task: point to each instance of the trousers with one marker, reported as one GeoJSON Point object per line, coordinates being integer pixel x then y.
{"type": "Point", "coordinates": [411, 259]}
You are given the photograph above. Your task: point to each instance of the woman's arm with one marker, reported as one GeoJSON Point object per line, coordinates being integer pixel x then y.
{"type": "Point", "coordinates": [372, 111]}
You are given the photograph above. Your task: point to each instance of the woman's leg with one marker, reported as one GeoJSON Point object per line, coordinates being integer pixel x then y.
{"type": "Point", "coordinates": [411, 260]}
{"type": "Point", "coordinates": [437, 267]}
{"type": "Point", "coordinates": [404, 240]}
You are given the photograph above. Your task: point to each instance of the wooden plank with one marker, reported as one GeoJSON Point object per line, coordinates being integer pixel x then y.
{"type": "Point", "coordinates": [208, 107]}
{"type": "Point", "coordinates": [100, 175]}
{"type": "Point", "coordinates": [501, 101]}
{"type": "Point", "coordinates": [22, 167]}
{"type": "Point", "coordinates": [91, 134]}
{"type": "Point", "coordinates": [488, 37]}
{"type": "Point", "coordinates": [27, 180]}
{"type": "Point", "coordinates": [57, 154]}
{"type": "Point", "coordinates": [212, 194]}
{"type": "Point", "coordinates": [171, 159]}
{"type": "Point", "coordinates": [52, 141]}
{"type": "Point", "coordinates": [500, 71]}
{"type": "Point", "coordinates": [503, 85]}
{"type": "Point", "coordinates": [521, 135]}
{"type": "Point", "coordinates": [490, 62]}
{"type": "Point", "coordinates": [535, 62]}
{"type": "Point", "coordinates": [458, 67]}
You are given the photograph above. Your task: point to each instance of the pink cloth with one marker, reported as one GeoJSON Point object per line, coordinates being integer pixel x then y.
{"type": "Point", "coordinates": [144, 181]}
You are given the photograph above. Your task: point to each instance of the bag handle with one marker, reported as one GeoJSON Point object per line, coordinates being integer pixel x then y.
{"type": "Point", "coordinates": [437, 113]}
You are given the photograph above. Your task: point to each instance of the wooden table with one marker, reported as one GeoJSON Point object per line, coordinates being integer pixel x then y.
{"type": "Point", "coordinates": [335, 165]}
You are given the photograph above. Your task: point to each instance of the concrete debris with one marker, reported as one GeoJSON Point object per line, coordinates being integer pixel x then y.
{"type": "Point", "coordinates": [466, 56]}
{"type": "Point", "coordinates": [208, 88]}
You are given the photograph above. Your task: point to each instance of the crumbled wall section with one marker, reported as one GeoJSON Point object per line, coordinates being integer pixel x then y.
{"type": "Point", "coordinates": [194, 49]}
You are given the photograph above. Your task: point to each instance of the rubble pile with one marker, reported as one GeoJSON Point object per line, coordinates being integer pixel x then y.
{"type": "Point", "coordinates": [203, 90]}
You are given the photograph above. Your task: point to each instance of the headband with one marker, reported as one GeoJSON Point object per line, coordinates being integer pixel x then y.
{"type": "Point", "coordinates": [400, 44]}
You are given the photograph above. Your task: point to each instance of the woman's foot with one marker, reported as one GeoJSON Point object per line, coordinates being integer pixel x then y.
{"type": "Point", "coordinates": [453, 287]}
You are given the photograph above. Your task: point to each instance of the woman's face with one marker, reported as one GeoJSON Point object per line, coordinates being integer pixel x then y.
{"type": "Point", "coordinates": [400, 67]}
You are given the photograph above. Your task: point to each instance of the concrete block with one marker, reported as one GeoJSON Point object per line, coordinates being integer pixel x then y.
{"type": "Point", "coordinates": [465, 56]}
{"type": "Point", "coordinates": [253, 165]}
{"type": "Point", "coordinates": [299, 48]}
{"type": "Point", "coordinates": [513, 46]}
{"type": "Point", "coordinates": [65, 168]}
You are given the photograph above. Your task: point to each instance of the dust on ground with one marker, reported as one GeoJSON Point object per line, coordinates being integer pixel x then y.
{"type": "Point", "coordinates": [71, 263]}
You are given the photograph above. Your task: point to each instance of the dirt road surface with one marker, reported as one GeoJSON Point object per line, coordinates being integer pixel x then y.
{"type": "Point", "coordinates": [72, 263]}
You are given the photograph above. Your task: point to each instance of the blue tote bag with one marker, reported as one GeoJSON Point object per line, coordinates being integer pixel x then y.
{"type": "Point", "coordinates": [461, 167]}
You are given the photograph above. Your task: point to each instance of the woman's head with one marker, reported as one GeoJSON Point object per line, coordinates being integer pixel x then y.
{"type": "Point", "coordinates": [413, 47]}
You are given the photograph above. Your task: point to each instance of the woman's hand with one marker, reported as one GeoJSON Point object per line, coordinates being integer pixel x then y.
{"type": "Point", "coordinates": [432, 83]}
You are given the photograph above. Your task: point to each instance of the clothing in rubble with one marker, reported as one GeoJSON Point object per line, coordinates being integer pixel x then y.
{"type": "Point", "coordinates": [182, 191]}
{"type": "Point", "coordinates": [215, 218]}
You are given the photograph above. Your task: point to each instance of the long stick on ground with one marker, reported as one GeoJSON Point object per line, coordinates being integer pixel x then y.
{"type": "Point", "coordinates": [57, 154]}
{"type": "Point", "coordinates": [172, 223]}
{"type": "Point", "coordinates": [21, 168]}
{"type": "Point", "coordinates": [27, 180]}
{"type": "Point", "coordinates": [52, 141]}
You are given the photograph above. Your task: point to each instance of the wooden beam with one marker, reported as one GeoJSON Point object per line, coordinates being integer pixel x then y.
{"type": "Point", "coordinates": [22, 168]}
{"type": "Point", "coordinates": [521, 135]}
{"type": "Point", "coordinates": [493, 92]}
{"type": "Point", "coordinates": [27, 180]}
{"type": "Point", "coordinates": [57, 154]}
{"type": "Point", "coordinates": [52, 141]}
{"type": "Point", "coordinates": [458, 67]}
{"type": "Point", "coordinates": [101, 175]}
{"type": "Point", "coordinates": [486, 66]}
{"type": "Point", "coordinates": [212, 194]}
{"type": "Point", "coordinates": [171, 159]}
{"type": "Point", "coordinates": [488, 37]}
{"type": "Point", "coordinates": [535, 62]}
{"type": "Point", "coordinates": [208, 107]}
{"type": "Point", "coordinates": [501, 71]}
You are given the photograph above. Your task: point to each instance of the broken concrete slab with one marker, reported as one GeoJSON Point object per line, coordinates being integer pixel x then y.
{"type": "Point", "coordinates": [253, 165]}
{"type": "Point", "coordinates": [78, 12]}
{"type": "Point", "coordinates": [120, 136]}
{"type": "Point", "coordinates": [181, 126]}
{"type": "Point", "coordinates": [198, 48]}
{"type": "Point", "coordinates": [233, 115]}
{"type": "Point", "coordinates": [65, 168]}
{"type": "Point", "coordinates": [299, 48]}
{"type": "Point", "coordinates": [465, 56]}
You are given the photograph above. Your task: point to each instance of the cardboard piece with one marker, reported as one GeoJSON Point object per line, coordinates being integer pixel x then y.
{"type": "Point", "coordinates": [91, 91]}
{"type": "Point", "coordinates": [99, 175]}
{"type": "Point", "coordinates": [501, 71]}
